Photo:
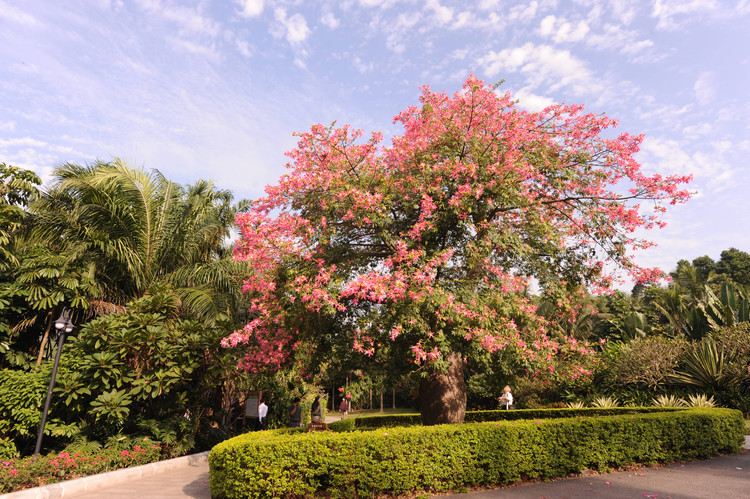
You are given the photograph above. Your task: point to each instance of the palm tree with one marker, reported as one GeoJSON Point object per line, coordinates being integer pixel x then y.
{"type": "Point", "coordinates": [138, 229]}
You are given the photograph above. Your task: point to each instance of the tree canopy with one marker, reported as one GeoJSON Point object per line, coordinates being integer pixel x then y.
{"type": "Point", "coordinates": [422, 251]}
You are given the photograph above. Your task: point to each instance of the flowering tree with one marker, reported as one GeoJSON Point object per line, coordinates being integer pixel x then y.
{"type": "Point", "coordinates": [424, 250]}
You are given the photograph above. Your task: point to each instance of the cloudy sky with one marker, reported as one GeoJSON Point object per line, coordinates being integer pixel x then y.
{"type": "Point", "coordinates": [214, 89]}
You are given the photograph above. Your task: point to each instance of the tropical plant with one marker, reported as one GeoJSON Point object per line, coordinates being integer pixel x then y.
{"type": "Point", "coordinates": [136, 229]}
{"type": "Point", "coordinates": [668, 400]}
{"type": "Point", "coordinates": [603, 401]}
{"type": "Point", "coordinates": [706, 366]}
{"type": "Point", "coordinates": [700, 400]}
{"type": "Point", "coordinates": [18, 187]}
{"type": "Point", "coordinates": [578, 404]}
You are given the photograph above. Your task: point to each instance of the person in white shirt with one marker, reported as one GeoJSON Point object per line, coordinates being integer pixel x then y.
{"type": "Point", "coordinates": [506, 399]}
{"type": "Point", "coordinates": [262, 414]}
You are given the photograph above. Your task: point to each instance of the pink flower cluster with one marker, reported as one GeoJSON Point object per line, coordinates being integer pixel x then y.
{"type": "Point", "coordinates": [472, 191]}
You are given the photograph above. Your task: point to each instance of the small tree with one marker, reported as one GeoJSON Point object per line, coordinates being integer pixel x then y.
{"type": "Point", "coordinates": [420, 254]}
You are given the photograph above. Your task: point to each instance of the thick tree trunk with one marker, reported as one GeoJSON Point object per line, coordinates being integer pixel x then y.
{"type": "Point", "coordinates": [442, 396]}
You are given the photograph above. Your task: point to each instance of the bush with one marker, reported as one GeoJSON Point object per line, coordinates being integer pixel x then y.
{"type": "Point", "coordinates": [16, 474]}
{"type": "Point", "coordinates": [7, 449]}
{"type": "Point", "coordinates": [447, 457]}
{"type": "Point", "coordinates": [393, 420]}
{"type": "Point", "coordinates": [645, 362]}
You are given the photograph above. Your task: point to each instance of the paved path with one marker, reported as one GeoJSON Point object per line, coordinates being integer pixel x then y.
{"type": "Point", "coordinates": [188, 481]}
{"type": "Point", "coordinates": [719, 477]}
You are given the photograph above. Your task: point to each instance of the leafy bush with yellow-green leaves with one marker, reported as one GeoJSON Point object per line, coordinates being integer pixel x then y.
{"type": "Point", "coordinates": [441, 458]}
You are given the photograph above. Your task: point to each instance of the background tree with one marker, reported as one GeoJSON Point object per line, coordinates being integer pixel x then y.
{"type": "Point", "coordinates": [704, 265]}
{"type": "Point", "coordinates": [136, 229]}
{"type": "Point", "coordinates": [736, 265]}
{"type": "Point", "coordinates": [18, 187]}
{"type": "Point", "coordinates": [425, 248]}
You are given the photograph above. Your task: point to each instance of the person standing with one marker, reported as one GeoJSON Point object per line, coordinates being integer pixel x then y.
{"type": "Point", "coordinates": [506, 399]}
{"type": "Point", "coordinates": [343, 407]}
{"type": "Point", "coordinates": [316, 411]}
{"type": "Point", "coordinates": [295, 414]}
{"type": "Point", "coordinates": [262, 415]}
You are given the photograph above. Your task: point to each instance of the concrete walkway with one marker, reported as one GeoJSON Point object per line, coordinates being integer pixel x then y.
{"type": "Point", "coordinates": [719, 477]}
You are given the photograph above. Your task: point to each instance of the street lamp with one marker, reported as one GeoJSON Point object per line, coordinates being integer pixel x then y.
{"type": "Point", "coordinates": [63, 324]}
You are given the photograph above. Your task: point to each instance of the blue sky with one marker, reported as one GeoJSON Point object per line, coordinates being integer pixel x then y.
{"type": "Point", "coordinates": [214, 89]}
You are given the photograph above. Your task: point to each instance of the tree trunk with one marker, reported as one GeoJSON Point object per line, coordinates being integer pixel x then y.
{"type": "Point", "coordinates": [442, 396]}
{"type": "Point", "coordinates": [45, 338]}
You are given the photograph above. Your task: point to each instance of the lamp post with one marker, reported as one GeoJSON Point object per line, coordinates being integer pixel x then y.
{"type": "Point", "coordinates": [63, 324]}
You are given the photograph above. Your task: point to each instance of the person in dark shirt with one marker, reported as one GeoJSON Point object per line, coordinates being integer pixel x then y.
{"type": "Point", "coordinates": [295, 414]}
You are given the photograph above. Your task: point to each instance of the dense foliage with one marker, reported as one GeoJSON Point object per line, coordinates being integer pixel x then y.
{"type": "Point", "coordinates": [145, 371]}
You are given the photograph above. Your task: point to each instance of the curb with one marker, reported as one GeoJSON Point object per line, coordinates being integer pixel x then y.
{"type": "Point", "coordinates": [93, 482]}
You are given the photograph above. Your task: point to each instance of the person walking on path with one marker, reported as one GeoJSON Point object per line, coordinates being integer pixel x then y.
{"type": "Point", "coordinates": [295, 414]}
{"type": "Point", "coordinates": [262, 415]}
{"type": "Point", "coordinates": [343, 407]}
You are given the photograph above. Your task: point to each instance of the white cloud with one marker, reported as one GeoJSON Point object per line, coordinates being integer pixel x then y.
{"type": "Point", "coordinates": [614, 37]}
{"type": "Point", "coordinates": [363, 67]}
{"type": "Point", "coordinates": [250, 8]}
{"type": "Point", "coordinates": [698, 130]}
{"type": "Point", "coordinates": [624, 10]}
{"type": "Point", "coordinates": [530, 101]}
{"type": "Point", "coordinates": [330, 20]}
{"type": "Point", "coordinates": [404, 23]}
{"type": "Point", "coordinates": [443, 14]}
{"type": "Point", "coordinates": [16, 15]}
{"type": "Point", "coordinates": [488, 4]}
{"type": "Point", "coordinates": [542, 65]}
{"type": "Point", "coordinates": [295, 26]}
{"type": "Point", "coordinates": [190, 20]}
{"type": "Point", "coordinates": [562, 31]}
{"type": "Point", "coordinates": [243, 47]}
{"type": "Point", "coordinates": [8, 126]}
{"type": "Point", "coordinates": [667, 11]}
{"type": "Point", "coordinates": [705, 88]}
{"type": "Point", "coordinates": [523, 12]}
{"type": "Point", "coordinates": [207, 51]}
{"type": "Point", "coordinates": [709, 166]}
{"type": "Point", "coordinates": [115, 5]}
{"type": "Point", "coordinates": [383, 4]}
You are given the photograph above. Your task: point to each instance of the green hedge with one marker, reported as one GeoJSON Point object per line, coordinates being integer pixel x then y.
{"type": "Point", "coordinates": [387, 421]}
{"type": "Point", "coordinates": [448, 457]}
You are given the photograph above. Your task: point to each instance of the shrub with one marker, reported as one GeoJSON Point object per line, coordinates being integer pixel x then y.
{"type": "Point", "coordinates": [447, 457]}
{"type": "Point", "coordinates": [16, 474]}
{"type": "Point", "coordinates": [393, 420]}
{"type": "Point", "coordinates": [7, 449]}
{"type": "Point", "coordinates": [646, 362]}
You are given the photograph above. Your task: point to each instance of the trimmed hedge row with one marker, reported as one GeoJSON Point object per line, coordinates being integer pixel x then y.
{"type": "Point", "coordinates": [387, 421]}
{"type": "Point", "coordinates": [448, 457]}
